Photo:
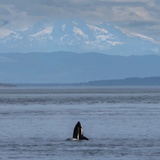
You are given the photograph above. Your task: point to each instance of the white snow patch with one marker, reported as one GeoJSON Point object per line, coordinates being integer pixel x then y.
{"type": "Point", "coordinates": [95, 28]}
{"type": "Point", "coordinates": [145, 37]}
{"type": "Point", "coordinates": [102, 37]}
{"type": "Point", "coordinates": [75, 23]}
{"type": "Point", "coordinates": [63, 27]}
{"type": "Point", "coordinates": [47, 30]}
{"type": "Point", "coordinates": [133, 34]}
{"type": "Point", "coordinates": [79, 32]}
{"type": "Point", "coordinates": [66, 35]}
{"type": "Point", "coordinates": [114, 43]}
{"type": "Point", "coordinates": [17, 36]}
{"type": "Point", "coordinates": [5, 32]}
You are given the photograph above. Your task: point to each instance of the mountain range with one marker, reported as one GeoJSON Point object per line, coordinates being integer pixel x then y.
{"type": "Point", "coordinates": [72, 51]}
{"type": "Point", "coordinates": [74, 35]}
{"type": "Point", "coordinates": [70, 67]}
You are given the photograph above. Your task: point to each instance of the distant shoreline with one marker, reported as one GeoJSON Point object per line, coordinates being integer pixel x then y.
{"type": "Point", "coordinates": [2, 85]}
{"type": "Point", "coordinates": [133, 81]}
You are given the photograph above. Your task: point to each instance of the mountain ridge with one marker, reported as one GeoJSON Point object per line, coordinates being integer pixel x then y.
{"type": "Point", "coordinates": [77, 36]}
{"type": "Point", "coordinates": [70, 67]}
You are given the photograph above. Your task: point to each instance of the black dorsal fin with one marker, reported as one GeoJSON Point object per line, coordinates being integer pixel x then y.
{"type": "Point", "coordinates": [78, 132]}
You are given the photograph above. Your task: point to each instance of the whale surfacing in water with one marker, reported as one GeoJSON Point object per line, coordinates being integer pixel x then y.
{"type": "Point", "coordinates": [78, 132]}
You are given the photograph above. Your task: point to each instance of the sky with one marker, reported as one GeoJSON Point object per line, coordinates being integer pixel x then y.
{"type": "Point", "coordinates": [140, 16]}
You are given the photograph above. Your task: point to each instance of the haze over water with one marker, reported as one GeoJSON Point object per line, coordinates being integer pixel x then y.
{"type": "Point", "coordinates": [121, 123]}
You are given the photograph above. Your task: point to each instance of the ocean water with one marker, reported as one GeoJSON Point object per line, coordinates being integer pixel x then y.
{"type": "Point", "coordinates": [121, 123]}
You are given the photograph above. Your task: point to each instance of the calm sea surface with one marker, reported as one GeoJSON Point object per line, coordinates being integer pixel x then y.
{"type": "Point", "coordinates": [122, 123]}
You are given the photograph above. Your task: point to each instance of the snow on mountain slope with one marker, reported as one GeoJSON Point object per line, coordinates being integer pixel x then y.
{"type": "Point", "coordinates": [44, 32]}
{"type": "Point", "coordinates": [76, 35]}
{"type": "Point", "coordinates": [79, 32]}
{"type": "Point", "coordinates": [5, 32]}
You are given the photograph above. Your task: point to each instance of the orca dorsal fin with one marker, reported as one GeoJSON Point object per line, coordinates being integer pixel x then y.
{"type": "Point", "coordinates": [78, 132]}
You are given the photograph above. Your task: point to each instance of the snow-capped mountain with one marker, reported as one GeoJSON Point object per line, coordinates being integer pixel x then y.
{"type": "Point", "coordinates": [77, 36]}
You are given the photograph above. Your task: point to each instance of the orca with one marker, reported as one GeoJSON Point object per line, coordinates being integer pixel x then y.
{"type": "Point", "coordinates": [78, 132]}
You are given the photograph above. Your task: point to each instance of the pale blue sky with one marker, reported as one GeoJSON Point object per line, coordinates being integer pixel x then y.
{"type": "Point", "coordinates": [140, 16]}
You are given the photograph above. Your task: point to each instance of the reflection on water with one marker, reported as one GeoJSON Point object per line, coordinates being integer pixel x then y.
{"type": "Point", "coordinates": [121, 123]}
